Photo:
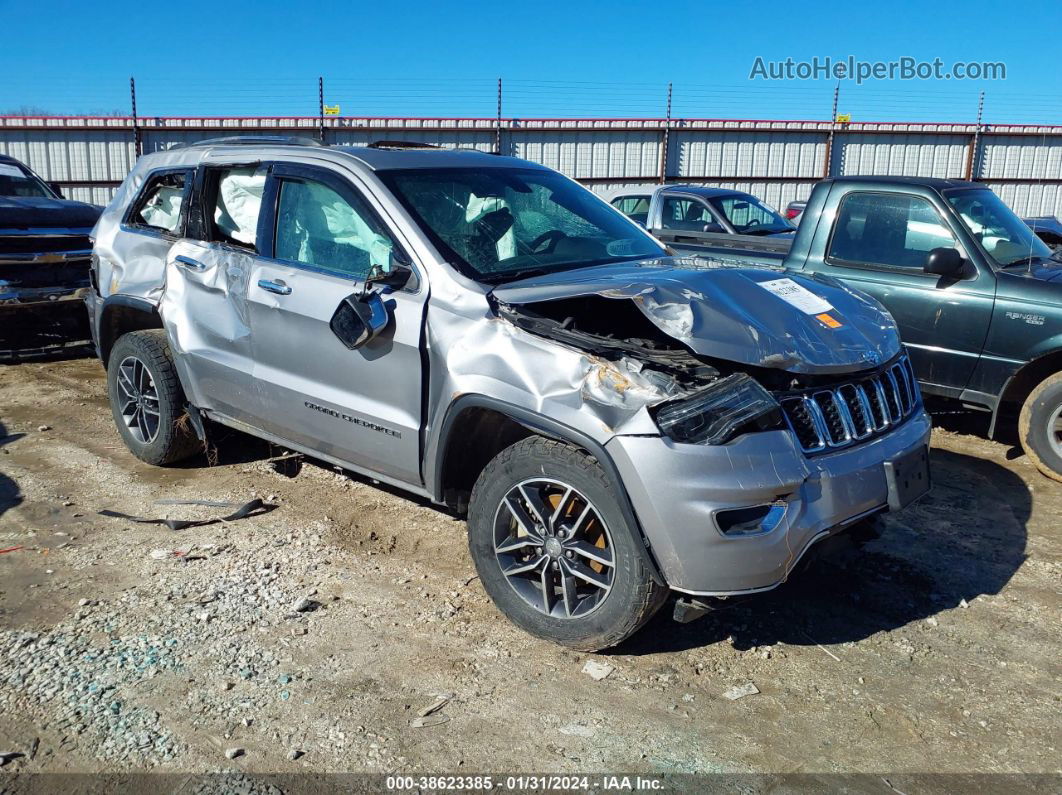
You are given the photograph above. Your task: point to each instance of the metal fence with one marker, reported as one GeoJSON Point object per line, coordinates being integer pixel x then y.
{"type": "Point", "coordinates": [777, 160]}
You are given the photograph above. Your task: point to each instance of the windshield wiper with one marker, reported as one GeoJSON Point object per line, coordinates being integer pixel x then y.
{"type": "Point", "coordinates": [1032, 259]}
{"type": "Point", "coordinates": [512, 276]}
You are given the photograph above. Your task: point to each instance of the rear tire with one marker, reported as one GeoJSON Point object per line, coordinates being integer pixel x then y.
{"type": "Point", "coordinates": [581, 561]}
{"type": "Point", "coordinates": [1040, 426]}
{"type": "Point", "coordinates": [147, 401]}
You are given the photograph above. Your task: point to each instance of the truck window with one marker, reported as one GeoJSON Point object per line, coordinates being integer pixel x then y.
{"type": "Point", "coordinates": [685, 214]}
{"type": "Point", "coordinates": [1003, 235]}
{"type": "Point", "coordinates": [160, 203]}
{"type": "Point", "coordinates": [749, 216]}
{"type": "Point", "coordinates": [634, 207]}
{"type": "Point", "coordinates": [16, 182]}
{"type": "Point", "coordinates": [237, 201]}
{"type": "Point", "coordinates": [319, 227]}
{"type": "Point", "coordinates": [891, 229]}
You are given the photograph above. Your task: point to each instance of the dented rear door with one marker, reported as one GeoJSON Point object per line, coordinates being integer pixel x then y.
{"type": "Point", "coordinates": [205, 310]}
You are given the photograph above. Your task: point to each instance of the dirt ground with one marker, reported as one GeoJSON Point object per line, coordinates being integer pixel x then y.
{"type": "Point", "coordinates": [128, 646]}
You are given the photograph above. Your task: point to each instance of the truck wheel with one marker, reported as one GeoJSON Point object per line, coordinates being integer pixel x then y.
{"type": "Point", "coordinates": [1040, 426]}
{"type": "Point", "coordinates": [147, 400]}
{"type": "Point", "coordinates": [553, 548]}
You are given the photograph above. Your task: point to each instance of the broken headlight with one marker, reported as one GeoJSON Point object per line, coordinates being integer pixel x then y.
{"type": "Point", "coordinates": [718, 413]}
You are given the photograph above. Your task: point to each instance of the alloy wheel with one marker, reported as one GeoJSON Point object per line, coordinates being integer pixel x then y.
{"type": "Point", "coordinates": [138, 400]}
{"type": "Point", "coordinates": [554, 548]}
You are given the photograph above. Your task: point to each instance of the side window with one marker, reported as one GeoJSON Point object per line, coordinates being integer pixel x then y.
{"type": "Point", "coordinates": [744, 214]}
{"type": "Point", "coordinates": [895, 230]}
{"type": "Point", "coordinates": [317, 226]}
{"type": "Point", "coordinates": [237, 202]}
{"type": "Point", "coordinates": [685, 214]}
{"type": "Point", "coordinates": [634, 207]}
{"type": "Point", "coordinates": [160, 205]}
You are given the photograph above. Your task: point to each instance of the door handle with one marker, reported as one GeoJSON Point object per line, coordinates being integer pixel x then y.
{"type": "Point", "coordinates": [188, 262]}
{"type": "Point", "coordinates": [277, 286]}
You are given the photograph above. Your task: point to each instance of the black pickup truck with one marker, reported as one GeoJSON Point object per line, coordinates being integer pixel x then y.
{"type": "Point", "coordinates": [45, 253]}
{"type": "Point", "coordinates": [976, 294]}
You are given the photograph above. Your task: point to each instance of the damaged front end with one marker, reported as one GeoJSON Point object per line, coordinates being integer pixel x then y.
{"type": "Point", "coordinates": [746, 407]}
{"type": "Point", "coordinates": [712, 351]}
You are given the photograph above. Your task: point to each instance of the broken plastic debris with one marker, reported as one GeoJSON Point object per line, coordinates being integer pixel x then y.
{"type": "Point", "coordinates": [428, 720]}
{"type": "Point", "coordinates": [252, 508]}
{"type": "Point", "coordinates": [740, 691]}
{"type": "Point", "coordinates": [598, 670]}
{"type": "Point", "coordinates": [439, 703]}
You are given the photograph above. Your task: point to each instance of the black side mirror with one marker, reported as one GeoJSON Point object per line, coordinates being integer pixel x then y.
{"type": "Point", "coordinates": [944, 262]}
{"type": "Point", "coordinates": [55, 187]}
{"type": "Point", "coordinates": [359, 318]}
{"type": "Point", "coordinates": [713, 227]}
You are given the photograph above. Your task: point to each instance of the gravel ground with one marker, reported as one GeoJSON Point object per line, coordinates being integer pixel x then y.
{"type": "Point", "coordinates": [318, 635]}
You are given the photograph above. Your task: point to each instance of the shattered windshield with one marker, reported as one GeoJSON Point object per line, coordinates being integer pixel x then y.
{"type": "Point", "coordinates": [1003, 235]}
{"type": "Point", "coordinates": [16, 182]}
{"type": "Point", "coordinates": [501, 224]}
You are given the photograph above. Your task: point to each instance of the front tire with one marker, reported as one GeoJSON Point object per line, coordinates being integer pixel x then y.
{"type": "Point", "coordinates": [147, 401]}
{"type": "Point", "coordinates": [553, 549]}
{"type": "Point", "coordinates": [1040, 426]}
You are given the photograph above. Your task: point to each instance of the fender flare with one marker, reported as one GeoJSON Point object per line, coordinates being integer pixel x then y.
{"type": "Point", "coordinates": [547, 426]}
{"type": "Point", "coordinates": [142, 306]}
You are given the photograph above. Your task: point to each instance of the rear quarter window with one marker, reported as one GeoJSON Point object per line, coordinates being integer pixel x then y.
{"type": "Point", "coordinates": [161, 203]}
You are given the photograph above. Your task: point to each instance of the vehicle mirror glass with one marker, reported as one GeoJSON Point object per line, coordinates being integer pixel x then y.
{"type": "Point", "coordinates": [713, 227]}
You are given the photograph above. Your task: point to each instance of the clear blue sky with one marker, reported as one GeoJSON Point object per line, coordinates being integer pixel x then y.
{"type": "Point", "coordinates": [594, 58]}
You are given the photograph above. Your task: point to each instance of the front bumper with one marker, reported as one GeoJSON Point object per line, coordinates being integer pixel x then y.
{"type": "Point", "coordinates": [35, 279]}
{"type": "Point", "coordinates": [677, 489]}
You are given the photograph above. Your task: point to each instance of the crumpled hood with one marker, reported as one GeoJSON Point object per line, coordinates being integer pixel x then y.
{"type": "Point", "coordinates": [766, 318]}
{"type": "Point", "coordinates": [29, 212]}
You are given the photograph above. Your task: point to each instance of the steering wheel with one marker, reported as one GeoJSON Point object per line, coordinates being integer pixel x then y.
{"type": "Point", "coordinates": [555, 235]}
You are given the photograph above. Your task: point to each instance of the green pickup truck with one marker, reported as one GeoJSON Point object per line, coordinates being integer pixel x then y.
{"type": "Point", "coordinates": [976, 294]}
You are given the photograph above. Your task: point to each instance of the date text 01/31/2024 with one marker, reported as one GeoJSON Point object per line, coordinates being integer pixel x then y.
{"type": "Point", "coordinates": [521, 783]}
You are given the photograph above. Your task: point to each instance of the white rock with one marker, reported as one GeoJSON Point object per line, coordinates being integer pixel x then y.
{"type": "Point", "coordinates": [740, 691]}
{"type": "Point", "coordinates": [598, 670]}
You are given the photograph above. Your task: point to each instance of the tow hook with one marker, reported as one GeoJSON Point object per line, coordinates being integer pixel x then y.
{"type": "Point", "coordinates": [690, 608]}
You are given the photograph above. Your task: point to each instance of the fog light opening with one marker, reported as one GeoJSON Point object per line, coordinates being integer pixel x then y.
{"type": "Point", "coordinates": [754, 520]}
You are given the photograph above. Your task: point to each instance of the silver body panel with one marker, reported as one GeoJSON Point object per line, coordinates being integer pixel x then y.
{"type": "Point", "coordinates": [269, 364]}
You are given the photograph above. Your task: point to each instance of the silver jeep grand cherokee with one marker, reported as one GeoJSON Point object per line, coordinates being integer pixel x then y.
{"type": "Point", "coordinates": [486, 333]}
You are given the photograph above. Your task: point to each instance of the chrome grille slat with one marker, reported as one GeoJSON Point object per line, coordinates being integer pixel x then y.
{"type": "Point", "coordinates": [854, 411]}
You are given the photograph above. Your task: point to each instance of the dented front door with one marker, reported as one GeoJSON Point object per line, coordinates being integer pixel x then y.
{"type": "Point", "coordinates": [205, 310]}
{"type": "Point", "coordinates": [363, 406]}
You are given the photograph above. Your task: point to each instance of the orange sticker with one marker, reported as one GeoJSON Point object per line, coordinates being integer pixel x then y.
{"type": "Point", "coordinates": [829, 320]}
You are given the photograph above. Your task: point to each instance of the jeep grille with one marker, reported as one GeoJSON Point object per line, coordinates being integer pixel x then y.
{"type": "Point", "coordinates": [851, 412]}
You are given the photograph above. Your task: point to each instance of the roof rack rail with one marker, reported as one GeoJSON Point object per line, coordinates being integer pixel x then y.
{"type": "Point", "coordinates": [402, 145]}
{"type": "Point", "coordinates": [252, 140]}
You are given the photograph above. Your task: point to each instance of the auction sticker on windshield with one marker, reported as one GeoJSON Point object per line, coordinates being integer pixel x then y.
{"type": "Point", "coordinates": [800, 297]}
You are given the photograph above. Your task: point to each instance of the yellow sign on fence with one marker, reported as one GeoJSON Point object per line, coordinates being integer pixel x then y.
{"type": "Point", "coordinates": [842, 118]}
{"type": "Point", "coordinates": [331, 110]}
